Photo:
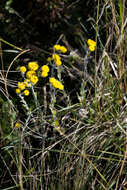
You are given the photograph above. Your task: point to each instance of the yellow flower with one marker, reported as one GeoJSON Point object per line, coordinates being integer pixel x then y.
{"type": "Point", "coordinates": [45, 68]}
{"type": "Point", "coordinates": [33, 66]}
{"type": "Point", "coordinates": [29, 74]}
{"type": "Point", "coordinates": [92, 48]}
{"type": "Point", "coordinates": [17, 125]}
{"type": "Point", "coordinates": [63, 49]}
{"type": "Point", "coordinates": [56, 84]}
{"type": "Point", "coordinates": [57, 47]}
{"type": "Point", "coordinates": [91, 42]}
{"type": "Point", "coordinates": [57, 59]}
{"type": "Point", "coordinates": [49, 59]}
{"type": "Point", "coordinates": [52, 80]}
{"type": "Point", "coordinates": [34, 79]}
{"type": "Point", "coordinates": [21, 85]}
{"type": "Point", "coordinates": [44, 74]}
{"type": "Point", "coordinates": [58, 62]}
{"type": "Point", "coordinates": [23, 69]}
{"type": "Point", "coordinates": [26, 92]}
{"type": "Point", "coordinates": [18, 91]}
{"type": "Point", "coordinates": [60, 86]}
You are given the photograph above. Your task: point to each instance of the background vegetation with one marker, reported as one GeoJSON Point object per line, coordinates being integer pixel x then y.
{"type": "Point", "coordinates": [71, 139]}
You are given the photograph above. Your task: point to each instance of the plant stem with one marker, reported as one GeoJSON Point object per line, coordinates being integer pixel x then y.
{"type": "Point", "coordinates": [95, 64]}
{"type": "Point", "coordinates": [4, 41]}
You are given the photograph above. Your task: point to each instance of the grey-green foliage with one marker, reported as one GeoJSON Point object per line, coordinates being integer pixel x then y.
{"type": "Point", "coordinates": [7, 117]}
{"type": "Point", "coordinates": [8, 6]}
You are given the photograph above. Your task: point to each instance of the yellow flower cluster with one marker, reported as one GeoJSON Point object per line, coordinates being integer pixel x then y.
{"type": "Point", "coordinates": [57, 59]}
{"type": "Point", "coordinates": [31, 77]}
{"type": "Point", "coordinates": [60, 48]}
{"type": "Point", "coordinates": [22, 86]}
{"type": "Point", "coordinates": [56, 84]}
{"type": "Point", "coordinates": [91, 44]}
{"type": "Point", "coordinates": [45, 70]}
{"type": "Point", "coordinates": [31, 74]}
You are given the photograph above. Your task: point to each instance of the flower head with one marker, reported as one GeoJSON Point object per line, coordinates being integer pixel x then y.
{"type": "Point", "coordinates": [45, 68]}
{"type": "Point", "coordinates": [44, 74]}
{"type": "Point", "coordinates": [33, 66]}
{"type": "Point", "coordinates": [52, 80]}
{"type": "Point", "coordinates": [34, 79]}
{"type": "Point", "coordinates": [23, 69]}
{"type": "Point", "coordinates": [49, 59]}
{"type": "Point", "coordinates": [60, 48]}
{"type": "Point", "coordinates": [57, 59]}
{"type": "Point", "coordinates": [17, 125]}
{"type": "Point", "coordinates": [57, 47]}
{"type": "Point", "coordinates": [21, 85]}
{"type": "Point", "coordinates": [18, 90]}
{"type": "Point", "coordinates": [91, 44]}
{"type": "Point", "coordinates": [56, 84]}
{"type": "Point", "coordinates": [58, 62]}
{"type": "Point", "coordinates": [92, 48]}
{"type": "Point", "coordinates": [30, 73]}
{"type": "Point", "coordinates": [63, 49]}
{"type": "Point", "coordinates": [26, 92]}
{"type": "Point", "coordinates": [60, 86]}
